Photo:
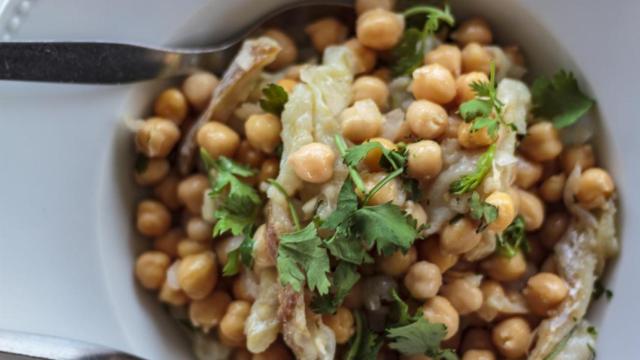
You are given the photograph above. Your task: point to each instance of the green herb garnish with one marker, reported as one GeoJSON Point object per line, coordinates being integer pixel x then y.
{"type": "Point", "coordinates": [470, 182]}
{"type": "Point", "coordinates": [484, 212]}
{"type": "Point", "coordinates": [512, 239]}
{"type": "Point", "coordinates": [599, 289]}
{"type": "Point", "coordinates": [274, 99]}
{"type": "Point", "coordinates": [560, 99]}
{"type": "Point", "coordinates": [344, 278]}
{"type": "Point", "coordinates": [364, 344]}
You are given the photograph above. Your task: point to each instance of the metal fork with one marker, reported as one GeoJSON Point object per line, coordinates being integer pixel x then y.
{"type": "Point", "coordinates": [114, 63]}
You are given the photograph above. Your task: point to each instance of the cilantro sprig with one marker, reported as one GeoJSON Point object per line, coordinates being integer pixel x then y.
{"type": "Point", "coordinates": [274, 98]}
{"type": "Point", "coordinates": [512, 239]}
{"type": "Point", "coordinates": [470, 182]}
{"type": "Point", "coordinates": [560, 99]}
{"type": "Point", "coordinates": [344, 278]}
{"type": "Point", "coordinates": [482, 211]}
{"type": "Point", "coordinates": [413, 334]}
{"type": "Point", "coordinates": [408, 55]}
{"type": "Point", "coordinates": [364, 344]}
{"type": "Point", "coordinates": [239, 206]}
{"type": "Point", "coordinates": [485, 111]}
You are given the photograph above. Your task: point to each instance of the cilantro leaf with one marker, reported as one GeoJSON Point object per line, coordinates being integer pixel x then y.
{"type": "Point", "coordinates": [344, 278]}
{"type": "Point", "coordinates": [275, 97]}
{"type": "Point", "coordinates": [420, 337]}
{"type": "Point", "coordinates": [471, 181]}
{"type": "Point", "coordinates": [482, 211]}
{"type": "Point", "coordinates": [599, 289]}
{"type": "Point", "coordinates": [386, 226]}
{"type": "Point", "coordinates": [364, 344]}
{"type": "Point", "coordinates": [300, 251]}
{"type": "Point", "coordinates": [512, 239]}
{"type": "Point", "coordinates": [490, 123]}
{"type": "Point", "coordinates": [560, 99]}
{"type": "Point", "coordinates": [474, 108]}
{"type": "Point", "coordinates": [485, 111]}
{"type": "Point", "coordinates": [400, 311]}
{"type": "Point", "coordinates": [241, 255]}
{"type": "Point", "coordinates": [347, 204]}
{"type": "Point", "coordinates": [408, 55]}
{"type": "Point", "coordinates": [345, 245]}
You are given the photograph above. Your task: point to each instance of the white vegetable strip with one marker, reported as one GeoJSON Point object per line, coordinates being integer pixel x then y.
{"type": "Point", "coordinates": [263, 325]}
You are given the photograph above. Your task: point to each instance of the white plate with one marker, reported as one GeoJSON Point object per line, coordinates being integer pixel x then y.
{"type": "Point", "coordinates": [65, 160]}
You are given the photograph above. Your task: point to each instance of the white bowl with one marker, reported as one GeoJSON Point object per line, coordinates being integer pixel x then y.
{"type": "Point", "coordinates": [67, 199]}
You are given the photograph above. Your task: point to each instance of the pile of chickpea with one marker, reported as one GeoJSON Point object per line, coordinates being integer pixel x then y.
{"type": "Point", "coordinates": [181, 232]}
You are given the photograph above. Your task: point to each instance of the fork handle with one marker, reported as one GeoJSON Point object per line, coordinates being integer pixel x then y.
{"type": "Point", "coordinates": [89, 62]}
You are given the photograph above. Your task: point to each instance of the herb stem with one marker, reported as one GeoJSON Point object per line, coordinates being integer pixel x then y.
{"type": "Point", "coordinates": [357, 180]}
{"type": "Point", "coordinates": [445, 14]}
{"type": "Point", "coordinates": [292, 209]}
{"type": "Point", "coordinates": [382, 183]}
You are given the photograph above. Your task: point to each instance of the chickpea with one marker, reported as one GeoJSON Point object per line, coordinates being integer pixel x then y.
{"type": "Point", "coordinates": [550, 265]}
{"type": "Point", "coordinates": [224, 246]}
{"type": "Point", "coordinates": [542, 142]}
{"type": "Point", "coordinates": [188, 247]}
{"type": "Point", "coordinates": [198, 89]}
{"type": "Point", "coordinates": [269, 169]}
{"type": "Point", "coordinates": [453, 123]}
{"type": "Point", "coordinates": [218, 139]}
{"type": "Point", "coordinates": [478, 355]}
{"type": "Point", "coordinates": [435, 83]}
{"type": "Point", "coordinates": [464, 297]}
{"type": "Point", "coordinates": [439, 310]}
{"type": "Point", "coordinates": [263, 131]}
{"type": "Point", "coordinates": [532, 210]}
{"type": "Point", "coordinates": [372, 160]}
{"type": "Point", "coordinates": [154, 171]}
{"type": "Point", "coordinates": [506, 210]}
{"type": "Point", "coordinates": [153, 218]}
{"type": "Point", "coordinates": [354, 298]}
{"type": "Point", "coordinates": [512, 337]}
{"type": "Point", "coordinates": [431, 251]}
{"type": "Point", "coordinates": [275, 351]}
{"type": "Point", "coordinates": [208, 312]}
{"type": "Point", "coordinates": [577, 155]}
{"type": "Point", "coordinates": [387, 193]}
{"type": "Point", "coordinates": [363, 6]}
{"type": "Point", "coordinates": [416, 211]}
{"type": "Point", "coordinates": [287, 84]}
{"type": "Point", "coordinates": [370, 87]}
{"type": "Point", "coordinates": [552, 188]}
{"type": "Point", "coordinates": [361, 121]}
{"type": "Point", "coordinates": [365, 58]}
{"type": "Point", "coordinates": [242, 288]}
{"type": "Point", "coordinates": [168, 243]}
{"type": "Point", "coordinates": [326, 32]}
{"type": "Point", "coordinates": [423, 280]}
{"type": "Point", "coordinates": [528, 173]}
{"type": "Point", "coordinates": [594, 188]}
{"type": "Point", "coordinates": [475, 58]}
{"type": "Point", "coordinates": [474, 30]}
{"type": "Point", "coordinates": [459, 237]}
{"type": "Point", "coordinates": [197, 229]}
{"type": "Point", "coordinates": [514, 54]}
{"type": "Point", "coordinates": [544, 292]}
{"type": "Point", "coordinates": [231, 330]}
{"type": "Point", "coordinates": [171, 104]}
{"type": "Point", "coordinates": [473, 139]}
{"type": "Point", "coordinates": [397, 263]}
{"type": "Point", "coordinates": [157, 137]}
{"type": "Point", "coordinates": [151, 269]}
{"type": "Point", "coordinates": [384, 74]}
{"type": "Point", "coordinates": [249, 155]}
{"type": "Point", "coordinates": [537, 252]}
{"type": "Point", "coordinates": [448, 56]}
{"type": "Point", "coordinates": [476, 338]}
{"type": "Point", "coordinates": [264, 255]}
{"type": "Point", "coordinates": [313, 162]}
{"type": "Point", "coordinates": [379, 29]}
{"type": "Point", "coordinates": [426, 119]}
{"type": "Point", "coordinates": [342, 324]}
{"type": "Point", "coordinates": [464, 92]}
{"type": "Point", "coordinates": [553, 228]}
{"type": "Point", "coordinates": [198, 274]}
{"type": "Point", "coordinates": [190, 191]}
{"type": "Point", "coordinates": [288, 51]}
{"type": "Point", "coordinates": [171, 296]}
{"type": "Point", "coordinates": [502, 268]}
{"type": "Point", "coordinates": [424, 160]}
{"type": "Point", "coordinates": [167, 192]}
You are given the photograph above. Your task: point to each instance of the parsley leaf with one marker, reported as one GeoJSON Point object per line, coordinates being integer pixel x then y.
{"type": "Point", "coordinates": [364, 344]}
{"type": "Point", "coordinates": [471, 181]}
{"type": "Point", "coordinates": [386, 226]}
{"type": "Point", "coordinates": [482, 211]}
{"type": "Point", "coordinates": [560, 99]}
{"type": "Point", "coordinates": [512, 238]}
{"type": "Point", "coordinates": [275, 97]}
{"type": "Point", "coordinates": [344, 278]}
{"type": "Point", "coordinates": [408, 55]}
{"type": "Point", "coordinates": [300, 251]}
{"type": "Point", "coordinates": [420, 337]}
